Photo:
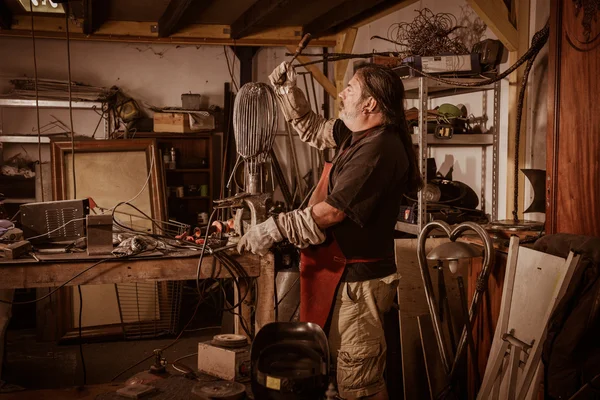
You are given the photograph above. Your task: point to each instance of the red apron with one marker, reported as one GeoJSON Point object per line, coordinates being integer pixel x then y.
{"type": "Point", "coordinates": [321, 267]}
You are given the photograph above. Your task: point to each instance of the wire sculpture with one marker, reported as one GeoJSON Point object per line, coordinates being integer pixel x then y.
{"type": "Point", "coordinates": [426, 35]}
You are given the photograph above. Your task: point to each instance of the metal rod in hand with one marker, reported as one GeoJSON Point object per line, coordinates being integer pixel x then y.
{"type": "Point", "coordinates": [301, 46]}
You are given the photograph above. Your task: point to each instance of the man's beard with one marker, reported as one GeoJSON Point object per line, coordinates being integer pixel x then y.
{"type": "Point", "coordinates": [348, 115]}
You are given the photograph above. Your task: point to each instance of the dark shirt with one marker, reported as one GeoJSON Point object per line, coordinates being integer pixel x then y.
{"type": "Point", "coordinates": [367, 181]}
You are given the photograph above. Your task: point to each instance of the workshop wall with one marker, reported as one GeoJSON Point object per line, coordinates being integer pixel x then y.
{"type": "Point", "coordinates": [537, 106]}
{"type": "Point", "coordinates": [466, 161]}
{"type": "Point", "coordinates": [159, 74]}
{"type": "Point", "coordinates": [152, 74]}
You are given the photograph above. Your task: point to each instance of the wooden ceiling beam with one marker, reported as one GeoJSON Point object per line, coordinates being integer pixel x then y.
{"type": "Point", "coordinates": [178, 14]}
{"type": "Point", "coordinates": [249, 21]}
{"type": "Point", "coordinates": [352, 13]}
{"type": "Point", "coordinates": [384, 12]}
{"type": "Point", "coordinates": [95, 13]}
{"type": "Point", "coordinates": [5, 16]}
{"type": "Point", "coordinates": [496, 16]}
{"type": "Point", "coordinates": [146, 32]}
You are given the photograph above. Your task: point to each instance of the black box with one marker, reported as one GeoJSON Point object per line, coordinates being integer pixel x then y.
{"type": "Point", "coordinates": [54, 221]}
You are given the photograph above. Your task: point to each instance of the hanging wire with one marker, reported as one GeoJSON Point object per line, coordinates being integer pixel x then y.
{"type": "Point", "coordinates": [67, 12]}
{"type": "Point", "coordinates": [427, 34]}
{"type": "Point", "coordinates": [37, 100]}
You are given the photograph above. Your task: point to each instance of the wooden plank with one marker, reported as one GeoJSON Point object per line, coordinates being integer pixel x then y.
{"type": "Point", "coordinates": [484, 325]}
{"type": "Point", "coordinates": [344, 44]}
{"type": "Point", "coordinates": [265, 304]}
{"type": "Point", "coordinates": [495, 14]}
{"type": "Point", "coordinates": [515, 80]}
{"type": "Point", "coordinates": [74, 393]}
{"type": "Point", "coordinates": [243, 318]}
{"type": "Point", "coordinates": [147, 32]}
{"type": "Point", "coordinates": [316, 73]}
{"type": "Point", "coordinates": [573, 175]}
{"type": "Point", "coordinates": [247, 22]}
{"type": "Point", "coordinates": [349, 14]}
{"type": "Point", "coordinates": [436, 377]}
{"type": "Point", "coordinates": [413, 365]}
{"type": "Point", "coordinates": [41, 274]}
{"type": "Point", "coordinates": [95, 13]}
{"type": "Point", "coordinates": [178, 14]}
{"type": "Point", "coordinates": [413, 305]}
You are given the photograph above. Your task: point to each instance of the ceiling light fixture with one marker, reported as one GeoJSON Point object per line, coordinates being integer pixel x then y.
{"type": "Point", "coordinates": [43, 6]}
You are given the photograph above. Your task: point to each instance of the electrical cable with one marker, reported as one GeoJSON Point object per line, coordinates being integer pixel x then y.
{"type": "Point", "coordinates": [186, 356]}
{"type": "Point", "coordinates": [54, 230]}
{"type": "Point", "coordinates": [143, 187]}
{"type": "Point", "coordinates": [80, 341]}
{"type": "Point", "coordinates": [231, 68]}
{"type": "Point", "coordinates": [37, 100]}
{"type": "Point", "coordinates": [67, 13]}
{"type": "Point", "coordinates": [18, 303]}
{"type": "Point", "coordinates": [163, 348]}
{"type": "Point", "coordinates": [198, 269]}
{"type": "Point", "coordinates": [98, 124]}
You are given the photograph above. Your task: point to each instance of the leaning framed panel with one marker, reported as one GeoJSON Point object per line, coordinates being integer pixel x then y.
{"type": "Point", "coordinates": [111, 172]}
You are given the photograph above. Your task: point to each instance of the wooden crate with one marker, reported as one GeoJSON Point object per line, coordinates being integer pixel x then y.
{"type": "Point", "coordinates": [171, 122]}
{"type": "Point", "coordinates": [176, 122]}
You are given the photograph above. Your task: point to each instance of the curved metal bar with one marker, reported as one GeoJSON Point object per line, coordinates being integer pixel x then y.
{"type": "Point", "coordinates": [429, 287]}
{"type": "Point", "coordinates": [488, 261]}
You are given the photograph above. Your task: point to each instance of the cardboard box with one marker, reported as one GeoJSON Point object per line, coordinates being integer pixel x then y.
{"type": "Point", "coordinates": [225, 363]}
{"type": "Point", "coordinates": [179, 122]}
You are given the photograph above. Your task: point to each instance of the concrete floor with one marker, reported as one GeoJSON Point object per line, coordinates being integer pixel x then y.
{"type": "Point", "coordinates": [47, 365]}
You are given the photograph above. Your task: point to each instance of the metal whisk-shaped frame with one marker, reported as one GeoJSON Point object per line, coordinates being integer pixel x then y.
{"type": "Point", "coordinates": [254, 125]}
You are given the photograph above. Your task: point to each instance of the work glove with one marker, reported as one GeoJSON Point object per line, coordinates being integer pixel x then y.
{"type": "Point", "coordinates": [278, 73]}
{"type": "Point", "coordinates": [300, 228]}
{"type": "Point", "coordinates": [260, 238]}
{"type": "Point", "coordinates": [297, 226]}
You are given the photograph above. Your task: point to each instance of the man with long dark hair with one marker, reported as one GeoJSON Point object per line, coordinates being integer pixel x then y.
{"type": "Point", "coordinates": [348, 275]}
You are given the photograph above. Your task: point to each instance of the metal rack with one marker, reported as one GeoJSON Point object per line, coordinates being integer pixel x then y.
{"type": "Point", "coordinates": [423, 89]}
{"type": "Point", "coordinates": [33, 139]}
{"type": "Point", "coordinates": [31, 103]}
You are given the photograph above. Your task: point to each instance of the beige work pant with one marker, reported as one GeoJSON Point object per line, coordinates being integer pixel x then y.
{"type": "Point", "coordinates": [356, 337]}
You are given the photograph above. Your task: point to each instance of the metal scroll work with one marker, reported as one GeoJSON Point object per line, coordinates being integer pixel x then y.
{"type": "Point", "coordinates": [582, 31]}
{"type": "Point", "coordinates": [590, 13]}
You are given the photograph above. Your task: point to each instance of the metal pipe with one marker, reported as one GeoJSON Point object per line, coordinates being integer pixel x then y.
{"type": "Point", "coordinates": [471, 342]}
{"type": "Point", "coordinates": [488, 262]}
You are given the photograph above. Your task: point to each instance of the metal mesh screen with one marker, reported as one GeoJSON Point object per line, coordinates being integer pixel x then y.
{"type": "Point", "coordinates": [149, 309]}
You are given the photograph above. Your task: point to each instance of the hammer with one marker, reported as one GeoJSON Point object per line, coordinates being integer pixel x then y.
{"type": "Point", "coordinates": [301, 46]}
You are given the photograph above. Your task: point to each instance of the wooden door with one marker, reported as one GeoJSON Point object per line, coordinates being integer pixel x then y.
{"type": "Point", "coordinates": [573, 146]}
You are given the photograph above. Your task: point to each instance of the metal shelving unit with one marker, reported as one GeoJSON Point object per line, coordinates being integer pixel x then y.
{"type": "Point", "coordinates": [6, 102]}
{"type": "Point", "coordinates": [423, 89]}
{"type": "Point", "coordinates": [43, 103]}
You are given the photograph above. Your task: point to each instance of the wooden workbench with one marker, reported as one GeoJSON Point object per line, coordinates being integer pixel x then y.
{"type": "Point", "coordinates": [53, 270]}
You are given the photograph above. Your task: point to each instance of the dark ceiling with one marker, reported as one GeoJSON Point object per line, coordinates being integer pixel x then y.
{"type": "Point", "coordinates": [245, 17]}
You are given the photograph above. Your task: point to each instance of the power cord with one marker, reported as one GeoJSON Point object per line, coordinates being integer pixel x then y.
{"type": "Point", "coordinates": [163, 348]}
{"type": "Point", "coordinates": [80, 339]}
{"type": "Point", "coordinates": [62, 285]}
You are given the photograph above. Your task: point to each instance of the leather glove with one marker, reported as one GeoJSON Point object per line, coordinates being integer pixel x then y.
{"type": "Point", "coordinates": [260, 238]}
{"type": "Point", "coordinates": [290, 78]}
